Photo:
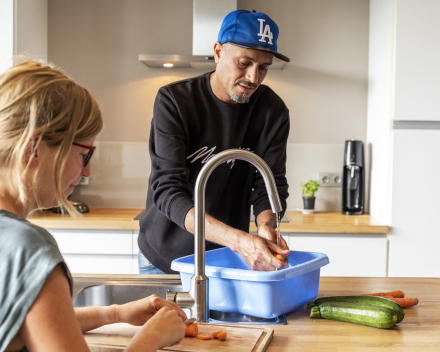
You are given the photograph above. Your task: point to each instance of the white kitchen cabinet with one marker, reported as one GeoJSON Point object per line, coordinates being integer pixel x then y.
{"type": "Point", "coordinates": [116, 252]}
{"type": "Point", "coordinates": [99, 264]}
{"type": "Point", "coordinates": [415, 220]}
{"type": "Point", "coordinates": [417, 57]}
{"type": "Point", "coordinates": [98, 251]}
{"type": "Point", "coordinates": [349, 255]}
{"type": "Point", "coordinates": [94, 241]}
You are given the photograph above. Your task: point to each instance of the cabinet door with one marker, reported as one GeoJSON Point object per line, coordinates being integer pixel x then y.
{"type": "Point", "coordinates": [97, 251]}
{"type": "Point", "coordinates": [415, 209]}
{"type": "Point", "coordinates": [94, 241]}
{"type": "Point", "coordinates": [99, 264]}
{"type": "Point", "coordinates": [349, 255]}
{"type": "Point", "coordinates": [417, 57]}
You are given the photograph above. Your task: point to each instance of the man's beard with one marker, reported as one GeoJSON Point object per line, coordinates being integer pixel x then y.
{"type": "Point", "coordinates": [245, 97]}
{"type": "Point", "coordinates": [240, 100]}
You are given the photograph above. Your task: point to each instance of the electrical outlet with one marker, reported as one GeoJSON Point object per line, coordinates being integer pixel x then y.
{"type": "Point", "coordinates": [83, 181]}
{"type": "Point", "coordinates": [327, 179]}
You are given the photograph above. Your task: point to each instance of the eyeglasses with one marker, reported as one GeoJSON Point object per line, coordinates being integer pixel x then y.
{"type": "Point", "coordinates": [86, 157]}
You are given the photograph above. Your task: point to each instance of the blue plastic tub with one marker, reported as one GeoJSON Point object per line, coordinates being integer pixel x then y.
{"type": "Point", "coordinates": [234, 287]}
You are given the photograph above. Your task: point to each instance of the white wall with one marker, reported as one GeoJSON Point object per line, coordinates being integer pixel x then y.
{"type": "Point", "coordinates": [31, 28]}
{"type": "Point", "coordinates": [23, 30]}
{"type": "Point", "coordinates": [6, 33]}
{"type": "Point", "coordinates": [325, 86]}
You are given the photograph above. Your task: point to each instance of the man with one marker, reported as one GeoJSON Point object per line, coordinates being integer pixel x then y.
{"type": "Point", "coordinates": [199, 117]}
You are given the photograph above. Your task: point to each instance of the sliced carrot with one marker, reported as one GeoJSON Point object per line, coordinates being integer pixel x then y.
{"type": "Point", "coordinates": [214, 334]}
{"type": "Point", "coordinates": [222, 336]}
{"type": "Point", "coordinates": [204, 337]}
{"type": "Point", "coordinates": [404, 302]}
{"type": "Point", "coordinates": [279, 256]}
{"type": "Point", "coordinates": [192, 330]}
{"type": "Point", "coordinates": [395, 294]}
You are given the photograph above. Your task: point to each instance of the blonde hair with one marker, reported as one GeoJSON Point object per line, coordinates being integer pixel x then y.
{"type": "Point", "coordinates": [38, 102]}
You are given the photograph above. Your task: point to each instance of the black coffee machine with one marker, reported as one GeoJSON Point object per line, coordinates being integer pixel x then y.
{"type": "Point", "coordinates": [353, 178]}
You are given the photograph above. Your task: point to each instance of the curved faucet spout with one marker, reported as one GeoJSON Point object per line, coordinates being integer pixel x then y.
{"type": "Point", "coordinates": [199, 282]}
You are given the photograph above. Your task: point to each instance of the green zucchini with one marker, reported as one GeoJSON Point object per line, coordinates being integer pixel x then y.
{"type": "Point", "coordinates": [357, 313]}
{"type": "Point", "coordinates": [379, 301]}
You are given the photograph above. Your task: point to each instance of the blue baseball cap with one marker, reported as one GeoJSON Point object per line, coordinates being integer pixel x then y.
{"type": "Point", "coordinates": [252, 30]}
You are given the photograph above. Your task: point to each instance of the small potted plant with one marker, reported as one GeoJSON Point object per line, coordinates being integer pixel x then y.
{"type": "Point", "coordinates": [308, 192]}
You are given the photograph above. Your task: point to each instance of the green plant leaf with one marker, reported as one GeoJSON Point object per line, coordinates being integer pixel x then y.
{"type": "Point", "coordinates": [309, 188]}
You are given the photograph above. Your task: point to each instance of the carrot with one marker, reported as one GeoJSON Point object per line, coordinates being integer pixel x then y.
{"type": "Point", "coordinates": [395, 294]}
{"type": "Point", "coordinates": [192, 330]}
{"type": "Point", "coordinates": [215, 334]}
{"type": "Point", "coordinates": [204, 337]}
{"type": "Point", "coordinates": [279, 256]}
{"type": "Point", "coordinates": [404, 302]}
{"type": "Point", "coordinates": [222, 336]}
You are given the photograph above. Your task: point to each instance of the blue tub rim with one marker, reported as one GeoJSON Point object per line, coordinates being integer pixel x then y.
{"type": "Point", "coordinates": [250, 275]}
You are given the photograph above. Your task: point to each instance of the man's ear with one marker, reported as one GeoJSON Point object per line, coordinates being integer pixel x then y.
{"type": "Point", "coordinates": [218, 52]}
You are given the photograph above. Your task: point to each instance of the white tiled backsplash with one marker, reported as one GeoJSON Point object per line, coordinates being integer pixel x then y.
{"type": "Point", "coordinates": [120, 172]}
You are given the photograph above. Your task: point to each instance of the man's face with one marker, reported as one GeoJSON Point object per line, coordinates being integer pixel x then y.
{"type": "Point", "coordinates": [239, 72]}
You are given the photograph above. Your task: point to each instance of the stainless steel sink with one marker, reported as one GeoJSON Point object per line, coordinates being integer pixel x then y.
{"type": "Point", "coordinates": [105, 295]}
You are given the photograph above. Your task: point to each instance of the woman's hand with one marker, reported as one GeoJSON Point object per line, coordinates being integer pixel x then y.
{"type": "Point", "coordinates": [163, 329]}
{"type": "Point", "coordinates": [168, 325]}
{"type": "Point", "coordinates": [141, 311]}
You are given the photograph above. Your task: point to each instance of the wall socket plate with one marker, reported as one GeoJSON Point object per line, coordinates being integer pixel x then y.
{"type": "Point", "coordinates": [83, 181]}
{"type": "Point", "coordinates": [327, 179]}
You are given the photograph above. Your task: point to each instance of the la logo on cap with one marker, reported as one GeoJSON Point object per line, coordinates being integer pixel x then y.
{"type": "Point", "coordinates": [266, 34]}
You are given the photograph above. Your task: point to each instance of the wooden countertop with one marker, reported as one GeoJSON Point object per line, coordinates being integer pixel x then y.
{"type": "Point", "coordinates": [419, 331]}
{"type": "Point", "coordinates": [96, 219]}
{"type": "Point", "coordinates": [122, 219]}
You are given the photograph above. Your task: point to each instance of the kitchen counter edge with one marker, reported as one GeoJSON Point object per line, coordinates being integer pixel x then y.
{"type": "Point", "coordinates": [122, 219]}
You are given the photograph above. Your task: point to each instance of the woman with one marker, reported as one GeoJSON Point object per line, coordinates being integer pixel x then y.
{"type": "Point", "coordinates": [48, 126]}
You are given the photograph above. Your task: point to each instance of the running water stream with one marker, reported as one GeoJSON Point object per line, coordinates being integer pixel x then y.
{"type": "Point", "coordinates": [278, 230]}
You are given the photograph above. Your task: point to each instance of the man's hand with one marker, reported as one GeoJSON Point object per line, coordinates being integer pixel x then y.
{"type": "Point", "coordinates": [257, 252]}
{"type": "Point", "coordinates": [266, 222]}
{"type": "Point", "coordinates": [138, 312]}
{"type": "Point", "coordinates": [270, 234]}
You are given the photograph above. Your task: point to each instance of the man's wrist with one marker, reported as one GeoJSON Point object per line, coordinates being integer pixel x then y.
{"type": "Point", "coordinates": [268, 224]}
{"type": "Point", "coordinates": [267, 218]}
{"type": "Point", "coordinates": [236, 239]}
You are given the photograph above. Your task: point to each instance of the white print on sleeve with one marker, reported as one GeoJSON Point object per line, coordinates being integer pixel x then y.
{"type": "Point", "coordinates": [208, 154]}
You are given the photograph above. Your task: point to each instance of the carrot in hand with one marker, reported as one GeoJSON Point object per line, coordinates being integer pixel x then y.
{"type": "Point", "coordinates": [279, 256]}
{"type": "Point", "coordinates": [395, 294]}
{"type": "Point", "coordinates": [214, 334]}
{"type": "Point", "coordinates": [222, 336]}
{"type": "Point", "coordinates": [192, 330]}
{"type": "Point", "coordinates": [204, 337]}
{"type": "Point", "coordinates": [404, 302]}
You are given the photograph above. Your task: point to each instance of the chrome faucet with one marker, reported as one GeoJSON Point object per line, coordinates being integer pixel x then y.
{"type": "Point", "coordinates": [197, 299]}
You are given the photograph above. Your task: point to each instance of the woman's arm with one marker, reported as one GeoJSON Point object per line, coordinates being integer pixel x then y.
{"type": "Point", "coordinates": [51, 324]}
{"type": "Point", "coordinates": [134, 313]}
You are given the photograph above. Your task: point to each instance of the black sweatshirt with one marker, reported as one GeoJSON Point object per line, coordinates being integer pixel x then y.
{"type": "Point", "coordinates": [190, 125]}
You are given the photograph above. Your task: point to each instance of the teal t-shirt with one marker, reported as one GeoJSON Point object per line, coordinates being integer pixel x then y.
{"type": "Point", "coordinates": [28, 254]}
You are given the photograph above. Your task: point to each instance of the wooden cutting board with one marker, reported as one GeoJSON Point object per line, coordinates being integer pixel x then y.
{"type": "Point", "coordinates": [116, 337]}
